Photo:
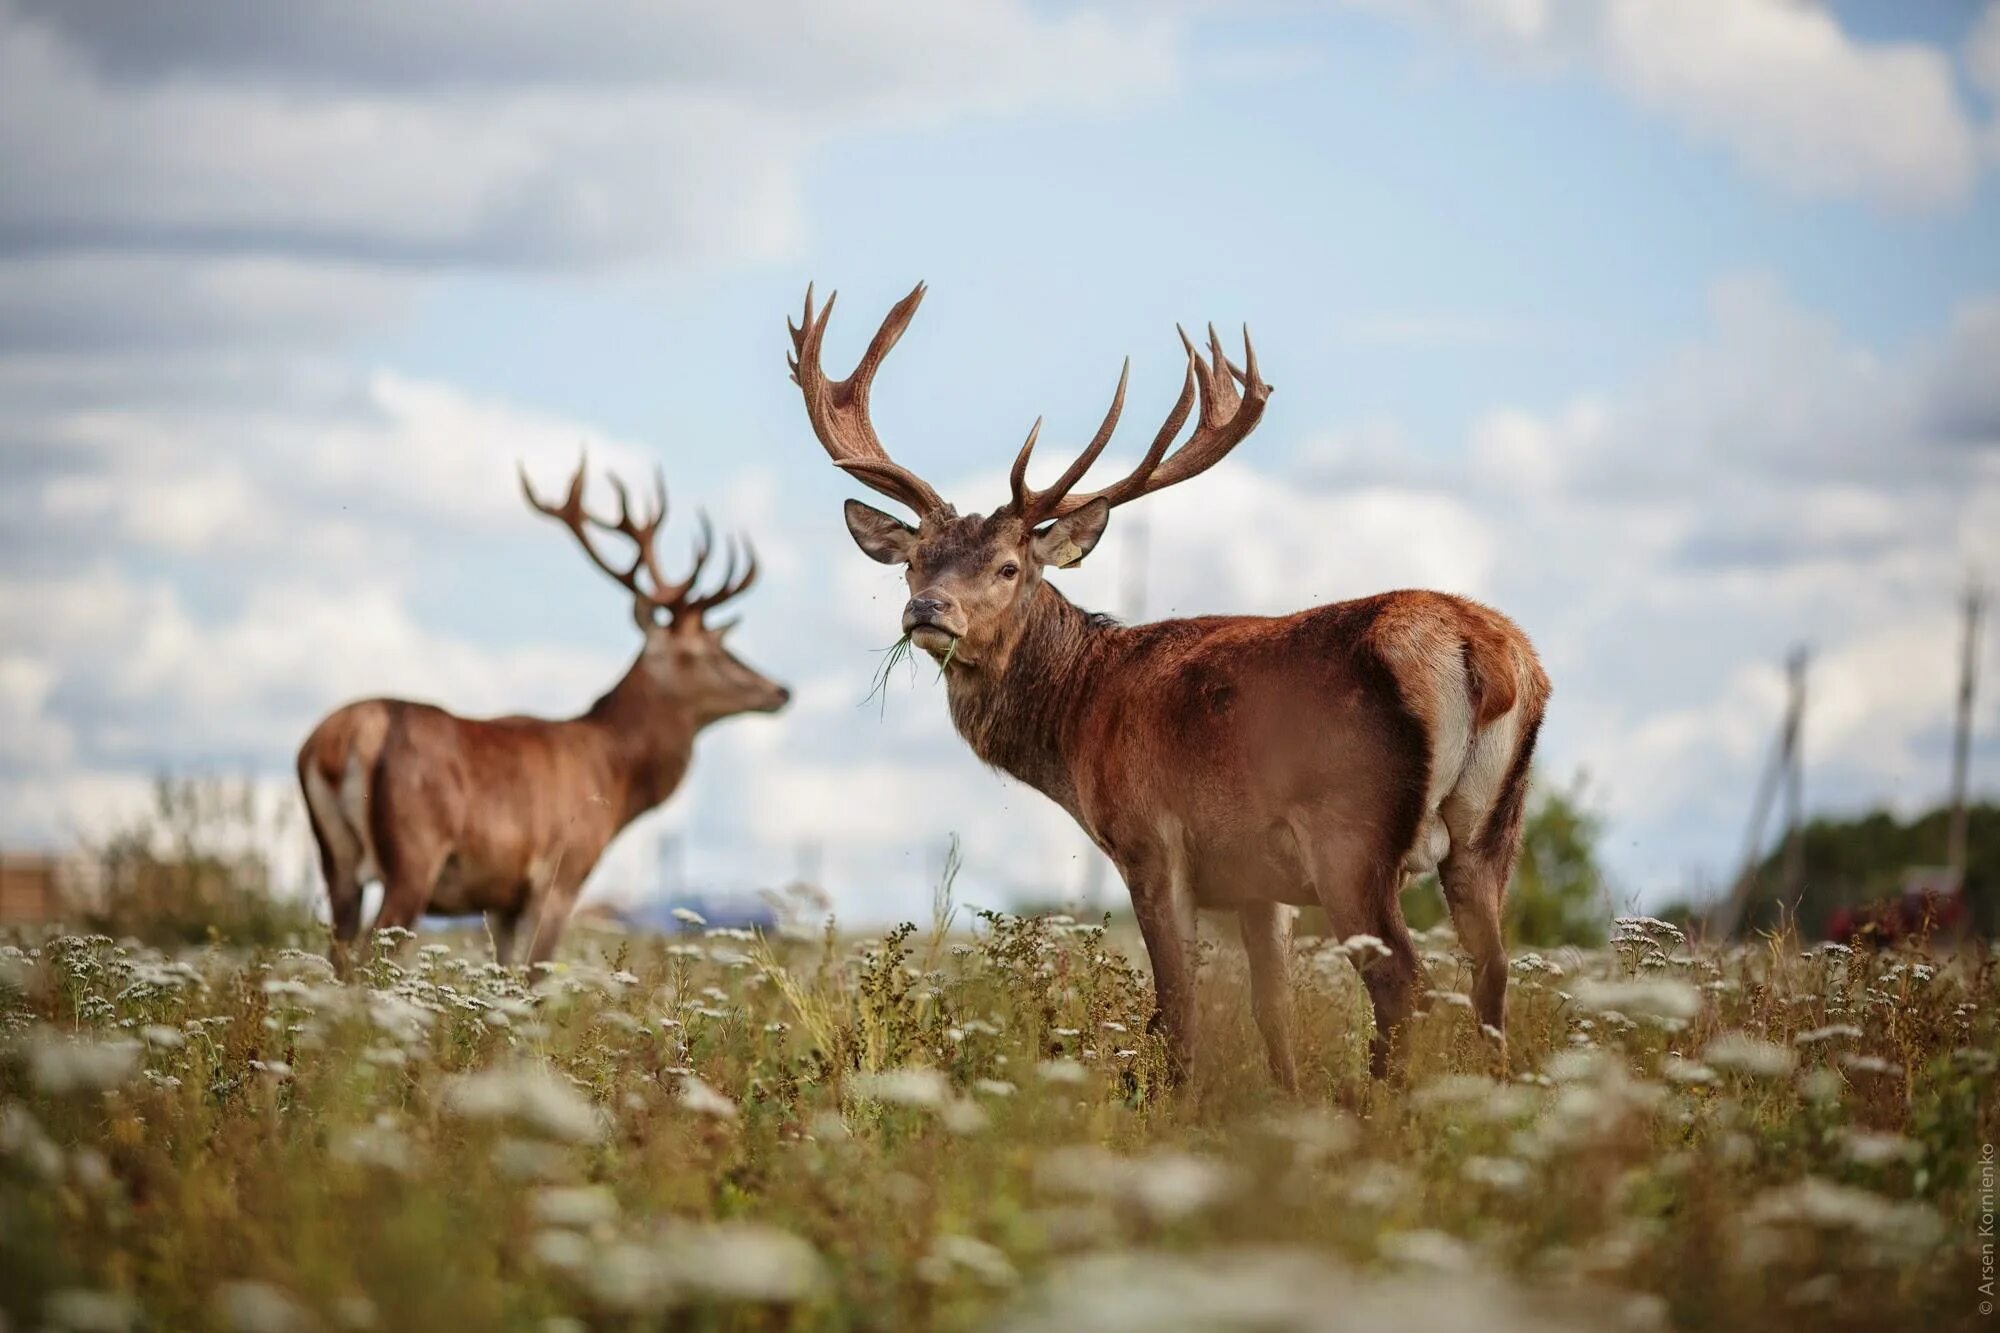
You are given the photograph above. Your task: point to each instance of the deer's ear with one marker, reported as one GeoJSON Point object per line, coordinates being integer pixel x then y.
{"type": "Point", "coordinates": [883, 536]}
{"type": "Point", "coordinates": [1068, 540]}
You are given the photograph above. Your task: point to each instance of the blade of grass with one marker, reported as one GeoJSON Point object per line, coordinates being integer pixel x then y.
{"type": "Point", "coordinates": [899, 651]}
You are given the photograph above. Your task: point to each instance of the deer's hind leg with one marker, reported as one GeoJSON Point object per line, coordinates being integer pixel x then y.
{"type": "Point", "coordinates": [501, 927]}
{"type": "Point", "coordinates": [341, 853]}
{"type": "Point", "coordinates": [1357, 881]}
{"type": "Point", "coordinates": [1484, 813]}
{"type": "Point", "coordinates": [1267, 937]}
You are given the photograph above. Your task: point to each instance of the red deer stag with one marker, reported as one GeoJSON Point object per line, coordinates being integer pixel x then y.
{"type": "Point", "coordinates": [1247, 762]}
{"type": "Point", "coordinates": [508, 816]}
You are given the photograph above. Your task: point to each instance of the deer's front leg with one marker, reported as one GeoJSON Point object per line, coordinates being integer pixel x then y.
{"type": "Point", "coordinates": [1163, 901]}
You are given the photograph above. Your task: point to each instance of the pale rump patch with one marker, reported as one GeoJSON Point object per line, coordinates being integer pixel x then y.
{"type": "Point", "coordinates": [1479, 786]}
{"type": "Point", "coordinates": [354, 801]}
{"type": "Point", "coordinates": [324, 807]}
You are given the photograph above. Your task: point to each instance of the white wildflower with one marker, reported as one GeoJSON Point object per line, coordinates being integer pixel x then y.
{"type": "Point", "coordinates": [951, 1254]}
{"type": "Point", "coordinates": [1164, 1186]}
{"type": "Point", "coordinates": [258, 1307]}
{"type": "Point", "coordinates": [1687, 1073]}
{"type": "Point", "coordinates": [622, 1275]}
{"type": "Point", "coordinates": [577, 1206]}
{"type": "Point", "coordinates": [1658, 999]}
{"type": "Point", "coordinates": [1499, 1173]}
{"type": "Point", "coordinates": [560, 1248]}
{"type": "Point", "coordinates": [698, 1096]}
{"type": "Point", "coordinates": [1869, 1148]}
{"type": "Point", "coordinates": [744, 1261]}
{"type": "Point", "coordinates": [1831, 1032]}
{"type": "Point", "coordinates": [688, 916]}
{"type": "Point", "coordinates": [1315, 1135]}
{"type": "Point", "coordinates": [530, 1095]}
{"type": "Point", "coordinates": [380, 1145]}
{"type": "Point", "coordinates": [81, 1310]}
{"type": "Point", "coordinates": [1745, 1054]}
{"type": "Point", "coordinates": [22, 1137]}
{"type": "Point", "coordinates": [1819, 1203]}
{"type": "Point", "coordinates": [913, 1086]}
{"type": "Point", "coordinates": [1379, 1184]}
{"type": "Point", "coordinates": [59, 1065]}
{"type": "Point", "coordinates": [357, 1312]}
{"type": "Point", "coordinates": [162, 1037]}
{"type": "Point", "coordinates": [1427, 1249]}
{"type": "Point", "coordinates": [1062, 1071]}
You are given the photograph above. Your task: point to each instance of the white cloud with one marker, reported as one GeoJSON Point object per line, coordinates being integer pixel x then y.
{"type": "Point", "coordinates": [534, 136]}
{"type": "Point", "coordinates": [1779, 83]}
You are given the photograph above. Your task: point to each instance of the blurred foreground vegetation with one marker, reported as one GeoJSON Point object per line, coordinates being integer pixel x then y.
{"type": "Point", "coordinates": [196, 868]}
{"type": "Point", "coordinates": [961, 1128]}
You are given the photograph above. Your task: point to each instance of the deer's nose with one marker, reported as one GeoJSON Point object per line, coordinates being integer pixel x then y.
{"type": "Point", "coordinates": [922, 611]}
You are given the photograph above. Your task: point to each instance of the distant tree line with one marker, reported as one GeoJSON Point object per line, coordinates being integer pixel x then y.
{"type": "Point", "coordinates": [1852, 861]}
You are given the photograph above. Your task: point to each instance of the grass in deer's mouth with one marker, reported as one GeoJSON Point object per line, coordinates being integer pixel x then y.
{"type": "Point", "coordinates": [896, 653]}
{"type": "Point", "coordinates": [949, 654]}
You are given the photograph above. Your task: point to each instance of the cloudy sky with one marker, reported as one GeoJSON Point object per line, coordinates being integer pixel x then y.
{"type": "Point", "coordinates": [1673, 330]}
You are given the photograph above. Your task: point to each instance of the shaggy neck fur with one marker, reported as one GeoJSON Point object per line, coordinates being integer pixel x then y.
{"type": "Point", "coordinates": [647, 738]}
{"type": "Point", "coordinates": [1017, 717]}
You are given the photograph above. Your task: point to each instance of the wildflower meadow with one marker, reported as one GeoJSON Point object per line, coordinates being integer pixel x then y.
{"type": "Point", "coordinates": [967, 1125]}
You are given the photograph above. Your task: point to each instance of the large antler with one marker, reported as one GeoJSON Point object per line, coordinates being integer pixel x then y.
{"type": "Point", "coordinates": [640, 529]}
{"type": "Point", "coordinates": [1227, 416]}
{"type": "Point", "coordinates": [838, 409]}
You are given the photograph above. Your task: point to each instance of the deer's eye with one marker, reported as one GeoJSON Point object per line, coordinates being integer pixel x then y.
{"type": "Point", "coordinates": [1009, 570]}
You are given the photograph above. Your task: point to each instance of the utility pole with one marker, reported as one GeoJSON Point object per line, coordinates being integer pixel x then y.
{"type": "Point", "coordinates": [1795, 827]}
{"type": "Point", "coordinates": [1787, 769]}
{"type": "Point", "coordinates": [1974, 607]}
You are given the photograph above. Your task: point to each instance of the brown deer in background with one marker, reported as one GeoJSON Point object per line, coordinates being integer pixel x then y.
{"type": "Point", "coordinates": [507, 816]}
{"type": "Point", "coordinates": [1249, 762]}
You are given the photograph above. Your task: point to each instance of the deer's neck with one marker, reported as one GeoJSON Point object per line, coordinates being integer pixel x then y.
{"type": "Point", "coordinates": [1018, 718]}
{"type": "Point", "coordinates": [646, 738]}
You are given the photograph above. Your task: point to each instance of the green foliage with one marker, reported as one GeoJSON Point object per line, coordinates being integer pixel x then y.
{"type": "Point", "coordinates": [196, 868]}
{"type": "Point", "coordinates": [1558, 894]}
{"type": "Point", "coordinates": [1860, 860]}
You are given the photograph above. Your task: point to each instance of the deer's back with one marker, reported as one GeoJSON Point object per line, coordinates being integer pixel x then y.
{"type": "Point", "coordinates": [1356, 713]}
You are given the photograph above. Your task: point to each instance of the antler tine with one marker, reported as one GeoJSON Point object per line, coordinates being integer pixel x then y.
{"type": "Point", "coordinates": [572, 515]}
{"type": "Point", "coordinates": [732, 586]}
{"type": "Point", "coordinates": [1032, 504]}
{"type": "Point", "coordinates": [838, 409]}
{"type": "Point", "coordinates": [675, 595]}
{"type": "Point", "coordinates": [642, 532]}
{"type": "Point", "coordinates": [1226, 417]}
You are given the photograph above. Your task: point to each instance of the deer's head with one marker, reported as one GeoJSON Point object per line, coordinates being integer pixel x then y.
{"type": "Point", "coordinates": [972, 576]}
{"type": "Point", "coordinates": [684, 657]}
